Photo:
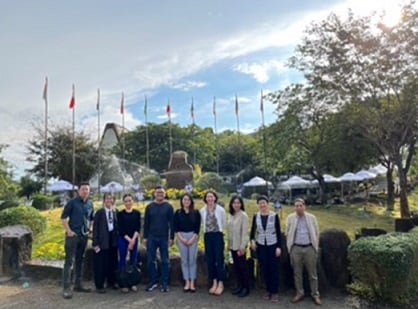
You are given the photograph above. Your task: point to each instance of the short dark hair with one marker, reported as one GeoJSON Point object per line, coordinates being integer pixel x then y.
{"type": "Point", "coordinates": [262, 198]}
{"type": "Point", "coordinates": [83, 183]}
{"type": "Point", "coordinates": [127, 195]}
{"type": "Point", "coordinates": [106, 195]}
{"type": "Point", "coordinates": [236, 197]}
{"type": "Point", "coordinates": [206, 195]}
{"type": "Point", "coordinates": [158, 187]}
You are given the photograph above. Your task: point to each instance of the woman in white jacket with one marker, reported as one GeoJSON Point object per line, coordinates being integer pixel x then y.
{"type": "Point", "coordinates": [213, 223]}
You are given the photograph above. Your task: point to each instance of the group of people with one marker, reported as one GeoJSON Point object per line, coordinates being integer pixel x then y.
{"type": "Point", "coordinates": [116, 234]}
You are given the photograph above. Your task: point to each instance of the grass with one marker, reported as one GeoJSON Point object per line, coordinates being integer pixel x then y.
{"type": "Point", "coordinates": [348, 218]}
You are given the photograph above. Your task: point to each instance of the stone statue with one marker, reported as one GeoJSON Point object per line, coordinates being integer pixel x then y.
{"type": "Point", "coordinates": [180, 172]}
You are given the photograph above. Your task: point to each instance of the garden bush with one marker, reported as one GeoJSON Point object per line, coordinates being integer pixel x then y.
{"type": "Point", "coordinates": [9, 204]}
{"type": "Point", "coordinates": [149, 182]}
{"type": "Point", "coordinates": [210, 181]}
{"type": "Point", "coordinates": [42, 201]}
{"type": "Point", "coordinates": [385, 267]}
{"type": "Point", "coordinates": [23, 215]}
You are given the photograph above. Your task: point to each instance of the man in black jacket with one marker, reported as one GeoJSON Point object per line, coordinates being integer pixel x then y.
{"type": "Point", "coordinates": [105, 245]}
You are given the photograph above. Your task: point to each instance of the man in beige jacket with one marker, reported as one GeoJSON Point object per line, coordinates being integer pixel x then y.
{"type": "Point", "coordinates": [302, 242]}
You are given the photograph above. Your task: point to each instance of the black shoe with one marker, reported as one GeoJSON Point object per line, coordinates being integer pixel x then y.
{"type": "Point", "coordinates": [101, 291]}
{"type": "Point", "coordinates": [82, 289]}
{"type": "Point", "coordinates": [244, 293]}
{"type": "Point", "coordinates": [236, 291]}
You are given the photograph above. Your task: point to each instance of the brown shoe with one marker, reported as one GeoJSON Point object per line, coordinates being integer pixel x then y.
{"type": "Point", "coordinates": [317, 300]}
{"type": "Point", "coordinates": [213, 289]}
{"type": "Point", "coordinates": [219, 290]}
{"type": "Point", "coordinates": [297, 298]}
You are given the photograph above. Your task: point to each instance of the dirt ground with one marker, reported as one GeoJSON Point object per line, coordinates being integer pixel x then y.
{"type": "Point", "coordinates": [27, 293]}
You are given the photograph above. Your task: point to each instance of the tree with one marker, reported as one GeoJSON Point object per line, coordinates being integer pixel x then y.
{"type": "Point", "coordinates": [8, 188]}
{"type": "Point", "coordinates": [363, 62]}
{"type": "Point", "coordinates": [28, 186]}
{"type": "Point", "coordinates": [59, 154]}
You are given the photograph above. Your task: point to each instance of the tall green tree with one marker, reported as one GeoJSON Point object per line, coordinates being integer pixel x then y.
{"type": "Point", "coordinates": [29, 186]}
{"type": "Point", "coordinates": [361, 61]}
{"type": "Point", "coordinates": [59, 154]}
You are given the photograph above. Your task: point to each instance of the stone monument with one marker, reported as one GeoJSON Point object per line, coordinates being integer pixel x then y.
{"type": "Point", "coordinates": [180, 172]}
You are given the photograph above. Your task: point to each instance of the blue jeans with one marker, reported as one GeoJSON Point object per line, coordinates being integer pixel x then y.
{"type": "Point", "coordinates": [123, 250]}
{"type": "Point", "coordinates": [162, 244]}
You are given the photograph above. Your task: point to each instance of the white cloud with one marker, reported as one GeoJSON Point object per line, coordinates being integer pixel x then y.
{"type": "Point", "coordinates": [261, 71]}
{"type": "Point", "coordinates": [165, 116]}
{"type": "Point", "coordinates": [186, 86]}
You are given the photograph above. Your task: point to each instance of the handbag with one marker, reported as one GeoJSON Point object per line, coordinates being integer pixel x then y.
{"type": "Point", "coordinates": [128, 276]}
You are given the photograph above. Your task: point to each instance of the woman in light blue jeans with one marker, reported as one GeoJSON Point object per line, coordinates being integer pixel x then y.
{"type": "Point", "coordinates": [186, 227]}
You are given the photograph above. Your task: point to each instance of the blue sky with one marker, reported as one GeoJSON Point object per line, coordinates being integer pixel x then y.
{"type": "Point", "coordinates": [163, 49]}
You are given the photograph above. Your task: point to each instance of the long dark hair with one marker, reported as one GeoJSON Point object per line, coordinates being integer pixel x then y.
{"type": "Point", "coordinates": [192, 211]}
{"type": "Point", "coordinates": [236, 197]}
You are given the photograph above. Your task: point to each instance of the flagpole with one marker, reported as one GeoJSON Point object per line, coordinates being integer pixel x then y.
{"type": "Point", "coordinates": [169, 128]}
{"type": "Point", "coordinates": [122, 110]}
{"type": "Point", "coordinates": [239, 137]}
{"type": "Point", "coordinates": [45, 97]}
{"type": "Point", "coordinates": [264, 139]}
{"type": "Point", "coordinates": [216, 136]}
{"type": "Point", "coordinates": [99, 146]}
{"type": "Point", "coordinates": [73, 154]}
{"type": "Point", "coordinates": [146, 131]}
{"type": "Point", "coordinates": [193, 135]}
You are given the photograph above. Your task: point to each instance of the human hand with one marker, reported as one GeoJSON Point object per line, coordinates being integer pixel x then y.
{"type": "Point", "coordinates": [171, 242]}
{"type": "Point", "coordinates": [70, 233]}
{"type": "Point", "coordinates": [96, 249]}
{"type": "Point", "coordinates": [278, 252]}
{"type": "Point", "coordinates": [253, 245]}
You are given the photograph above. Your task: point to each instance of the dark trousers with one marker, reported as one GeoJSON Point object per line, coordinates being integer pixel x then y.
{"type": "Point", "coordinates": [214, 254]}
{"type": "Point", "coordinates": [154, 243]}
{"type": "Point", "coordinates": [241, 270]}
{"type": "Point", "coordinates": [105, 265]}
{"type": "Point", "coordinates": [123, 251]}
{"type": "Point", "coordinates": [269, 264]}
{"type": "Point", "coordinates": [74, 249]}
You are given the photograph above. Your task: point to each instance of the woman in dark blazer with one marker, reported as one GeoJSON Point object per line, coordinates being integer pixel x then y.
{"type": "Point", "coordinates": [105, 233]}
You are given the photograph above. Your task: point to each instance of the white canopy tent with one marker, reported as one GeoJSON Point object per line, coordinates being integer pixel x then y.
{"type": "Point", "coordinates": [257, 182]}
{"type": "Point", "coordinates": [328, 179]}
{"type": "Point", "coordinates": [365, 175]}
{"type": "Point", "coordinates": [350, 177]}
{"type": "Point", "coordinates": [112, 187]}
{"type": "Point", "coordinates": [294, 182]}
{"type": "Point", "coordinates": [378, 169]}
{"type": "Point", "coordinates": [61, 185]}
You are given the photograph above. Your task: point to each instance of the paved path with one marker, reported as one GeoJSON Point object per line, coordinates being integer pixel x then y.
{"type": "Point", "coordinates": [44, 294]}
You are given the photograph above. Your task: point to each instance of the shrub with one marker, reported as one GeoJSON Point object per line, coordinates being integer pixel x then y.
{"type": "Point", "coordinates": [42, 201]}
{"type": "Point", "coordinates": [23, 215]}
{"type": "Point", "coordinates": [385, 267]}
{"type": "Point", "coordinates": [210, 181]}
{"type": "Point", "coordinates": [8, 204]}
{"type": "Point", "coordinates": [50, 251]}
{"type": "Point", "coordinates": [149, 182]}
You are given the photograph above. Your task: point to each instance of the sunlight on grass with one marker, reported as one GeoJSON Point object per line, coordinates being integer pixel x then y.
{"type": "Point", "coordinates": [348, 218]}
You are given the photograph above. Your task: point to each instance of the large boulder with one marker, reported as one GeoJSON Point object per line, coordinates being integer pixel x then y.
{"type": "Point", "coordinates": [16, 248]}
{"type": "Point", "coordinates": [334, 245]}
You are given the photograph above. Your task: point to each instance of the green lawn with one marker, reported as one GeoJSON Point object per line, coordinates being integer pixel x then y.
{"type": "Point", "coordinates": [348, 218]}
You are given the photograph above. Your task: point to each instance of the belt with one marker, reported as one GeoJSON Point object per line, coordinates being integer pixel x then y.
{"type": "Point", "coordinates": [303, 246]}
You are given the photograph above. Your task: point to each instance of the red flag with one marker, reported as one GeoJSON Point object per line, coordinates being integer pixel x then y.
{"type": "Point", "coordinates": [72, 101]}
{"type": "Point", "coordinates": [45, 93]}
{"type": "Point", "coordinates": [168, 109]}
{"type": "Point", "coordinates": [192, 110]}
{"type": "Point", "coordinates": [214, 107]}
{"type": "Point", "coordinates": [122, 105]}
{"type": "Point", "coordinates": [236, 105]}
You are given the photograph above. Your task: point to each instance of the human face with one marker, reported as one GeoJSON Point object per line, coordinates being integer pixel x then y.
{"type": "Point", "coordinates": [159, 195]}
{"type": "Point", "coordinates": [263, 206]}
{"type": "Point", "coordinates": [108, 201]}
{"type": "Point", "coordinates": [210, 199]}
{"type": "Point", "coordinates": [128, 201]}
{"type": "Point", "coordinates": [186, 202]}
{"type": "Point", "coordinates": [236, 205]}
{"type": "Point", "coordinates": [83, 192]}
{"type": "Point", "coordinates": [299, 208]}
